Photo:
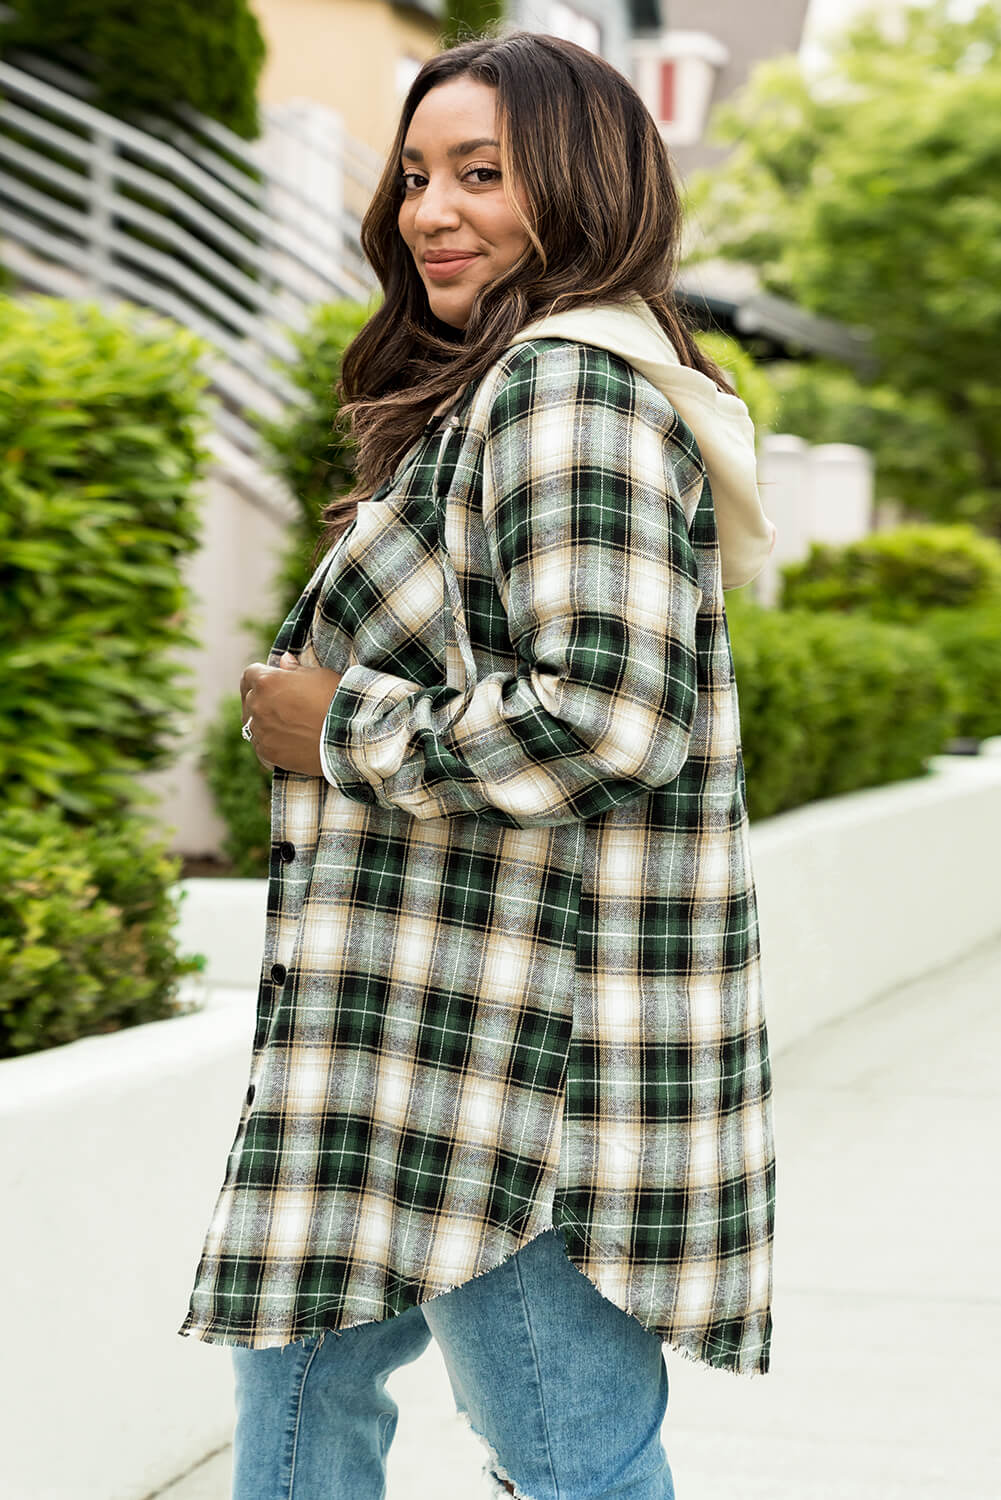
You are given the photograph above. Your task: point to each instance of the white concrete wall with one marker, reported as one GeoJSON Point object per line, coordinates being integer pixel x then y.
{"type": "Point", "coordinates": [860, 894]}
{"type": "Point", "coordinates": [112, 1149]}
{"type": "Point", "coordinates": [111, 1154]}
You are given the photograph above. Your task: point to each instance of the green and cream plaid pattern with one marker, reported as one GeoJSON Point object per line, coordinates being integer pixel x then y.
{"type": "Point", "coordinates": [511, 971]}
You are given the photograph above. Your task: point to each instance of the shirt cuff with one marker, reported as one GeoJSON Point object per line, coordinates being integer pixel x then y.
{"type": "Point", "coordinates": [359, 746]}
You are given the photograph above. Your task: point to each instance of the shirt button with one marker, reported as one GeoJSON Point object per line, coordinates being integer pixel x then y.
{"type": "Point", "coordinates": [286, 851]}
{"type": "Point", "coordinates": [278, 973]}
{"type": "Point", "coordinates": [250, 1095]}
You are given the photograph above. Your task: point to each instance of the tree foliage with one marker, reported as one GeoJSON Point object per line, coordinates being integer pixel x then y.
{"type": "Point", "coordinates": [149, 57]}
{"type": "Point", "coordinates": [463, 19]}
{"type": "Point", "coordinates": [872, 194]}
{"type": "Point", "coordinates": [752, 384]}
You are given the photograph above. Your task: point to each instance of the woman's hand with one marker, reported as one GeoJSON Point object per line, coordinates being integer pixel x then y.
{"type": "Point", "coordinates": [288, 705]}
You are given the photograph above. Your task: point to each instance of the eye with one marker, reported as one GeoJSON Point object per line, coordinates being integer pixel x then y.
{"type": "Point", "coordinates": [409, 182]}
{"type": "Point", "coordinates": [482, 175]}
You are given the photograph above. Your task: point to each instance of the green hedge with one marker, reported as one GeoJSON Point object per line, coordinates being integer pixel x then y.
{"type": "Point", "coordinates": [970, 641]}
{"type": "Point", "coordinates": [241, 790]}
{"type": "Point", "coordinates": [900, 574]}
{"type": "Point", "coordinates": [86, 929]}
{"type": "Point", "coordinates": [307, 447]}
{"type": "Point", "coordinates": [942, 580]}
{"type": "Point", "coordinates": [831, 704]}
{"type": "Point", "coordinates": [100, 450]}
{"type": "Point", "coordinates": [154, 55]}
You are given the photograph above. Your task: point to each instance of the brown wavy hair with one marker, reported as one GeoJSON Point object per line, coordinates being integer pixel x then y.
{"type": "Point", "coordinates": [603, 220]}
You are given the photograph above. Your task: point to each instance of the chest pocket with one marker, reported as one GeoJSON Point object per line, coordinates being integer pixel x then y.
{"type": "Point", "coordinates": [390, 598]}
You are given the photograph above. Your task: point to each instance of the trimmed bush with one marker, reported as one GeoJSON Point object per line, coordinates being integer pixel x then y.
{"type": "Point", "coordinates": [308, 448]}
{"type": "Point", "coordinates": [241, 790]}
{"type": "Point", "coordinates": [970, 641]}
{"type": "Point", "coordinates": [830, 705]}
{"type": "Point", "coordinates": [86, 930]}
{"type": "Point", "coordinates": [100, 428]}
{"type": "Point", "coordinates": [898, 575]}
{"type": "Point", "coordinates": [205, 53]}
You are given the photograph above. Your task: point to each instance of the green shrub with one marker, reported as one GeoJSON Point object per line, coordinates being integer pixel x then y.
{"type": "Point", "coordinates": [99, 455]}
{"type": "Point", "coordinates": [86, 929]}
{"type": "Point", "coordinates": [150, 57]}
{"type": "Point", "coordinates": [313, 456]}
{"type": "Point", "coordinates": [970, 641]}
{"type": "Point", "coordinates": [898, 575]}
{"type": "Point", "coordinates": [241, 790]}
{"type": "Point", "coordinates": [830, 704]}
{"type": "Point", "coordinates": [308, 448]}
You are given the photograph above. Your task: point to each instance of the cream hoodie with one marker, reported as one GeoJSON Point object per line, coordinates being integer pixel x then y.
{"type": "Point", "coordinates": [720, 423]}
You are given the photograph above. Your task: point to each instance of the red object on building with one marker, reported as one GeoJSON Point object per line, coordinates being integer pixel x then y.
{"type": "Point", "coordinates": [667, 91]}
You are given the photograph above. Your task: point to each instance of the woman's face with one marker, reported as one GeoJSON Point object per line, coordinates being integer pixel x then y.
{"type": "Point", "coordinates": [456, 217]}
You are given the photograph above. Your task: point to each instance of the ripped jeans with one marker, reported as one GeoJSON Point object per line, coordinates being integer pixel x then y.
{"type": "Point", "coordinates": [568, 1391]}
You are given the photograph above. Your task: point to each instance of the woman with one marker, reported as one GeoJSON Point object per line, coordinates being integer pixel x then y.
{"type": "Point", "coordinates": [509, 1083]}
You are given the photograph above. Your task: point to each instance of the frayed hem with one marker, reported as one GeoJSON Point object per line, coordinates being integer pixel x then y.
{"type": "Point", "coordinates": [698, 1350]}
{"type": "Point", "coordinates": [233, 1338]}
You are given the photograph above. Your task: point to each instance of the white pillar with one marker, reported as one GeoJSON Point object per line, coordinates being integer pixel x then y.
{"type": "Point", "coordinates": [784, 483]}
{"type": "Point", "coordinates": [841, 484]}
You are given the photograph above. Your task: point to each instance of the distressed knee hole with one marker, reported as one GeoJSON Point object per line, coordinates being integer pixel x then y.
{"type": "Point", "coordinates": [493, 1470]}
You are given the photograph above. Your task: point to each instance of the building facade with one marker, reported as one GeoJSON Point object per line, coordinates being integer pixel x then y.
{"type": "Point", "coordinates": [704, 52]}
{"type": "Point", "coordinates": [355, 57]}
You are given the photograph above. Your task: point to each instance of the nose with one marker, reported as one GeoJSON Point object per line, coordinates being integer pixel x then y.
{"type": "Point", "coordinates": [437, 207]}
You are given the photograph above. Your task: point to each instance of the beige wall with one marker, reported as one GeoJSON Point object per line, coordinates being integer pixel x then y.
{"type": "Point", "coordinates": [344, 54]}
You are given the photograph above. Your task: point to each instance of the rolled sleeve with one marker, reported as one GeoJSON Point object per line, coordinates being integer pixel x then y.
{"type": "Point", "coordinates": [593, 563]}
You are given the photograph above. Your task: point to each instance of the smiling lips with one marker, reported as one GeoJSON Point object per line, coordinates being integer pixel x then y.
{"type": "Point", "coordinates": [439, 265]}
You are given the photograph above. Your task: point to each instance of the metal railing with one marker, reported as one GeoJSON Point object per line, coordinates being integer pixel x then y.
{"type": "Point", "coordinates": [234, 240]}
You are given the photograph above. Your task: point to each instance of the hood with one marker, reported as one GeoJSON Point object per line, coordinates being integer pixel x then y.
{"type": "Point", "coordinates": [720, 423]}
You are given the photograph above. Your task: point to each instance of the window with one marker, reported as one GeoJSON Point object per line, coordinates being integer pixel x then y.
{"type": "Point", "coordinates": [675, 75]}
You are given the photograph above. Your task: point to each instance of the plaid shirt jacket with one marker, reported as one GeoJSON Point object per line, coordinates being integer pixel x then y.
{"type": "Point", "coordinates": [511, 972]}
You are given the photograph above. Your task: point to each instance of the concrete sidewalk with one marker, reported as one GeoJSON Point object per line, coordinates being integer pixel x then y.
{"type": "Point", "coordinates": [888, 1283]}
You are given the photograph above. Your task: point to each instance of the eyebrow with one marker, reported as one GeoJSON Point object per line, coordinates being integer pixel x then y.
{"type": "Point", "coordinates": [410, 153]}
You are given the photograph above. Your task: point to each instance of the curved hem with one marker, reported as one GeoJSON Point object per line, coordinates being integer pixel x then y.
{"type": "Point", "coordinates": [695, 1347]}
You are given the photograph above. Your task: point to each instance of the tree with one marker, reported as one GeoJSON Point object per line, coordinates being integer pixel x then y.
{"type": "Point", "coordinates": [149, 57]}
{"type": "Point", "coordinates": [463, 19]}
{"type": "Point", "coordinates": [872, 194]}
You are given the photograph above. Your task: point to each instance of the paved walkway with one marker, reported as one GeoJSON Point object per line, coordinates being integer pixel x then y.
{"type": "Point", "coordinates": [888, 1283]}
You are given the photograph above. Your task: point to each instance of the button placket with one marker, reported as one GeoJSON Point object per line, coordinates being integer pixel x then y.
{"type": "Point", "coordinates": [453, 607]}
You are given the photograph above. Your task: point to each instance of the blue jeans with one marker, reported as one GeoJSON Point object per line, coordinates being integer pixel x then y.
{"type": "Point", "coordinates": [567, 1389]}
